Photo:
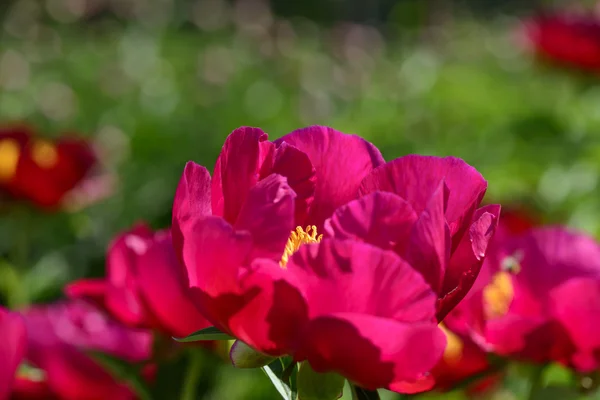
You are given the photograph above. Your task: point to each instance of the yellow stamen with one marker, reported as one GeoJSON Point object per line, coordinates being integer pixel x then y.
{"type": "Point", "coordinates": [298, 238]}
{"type": "Point", "coordinates": [454, 346]}
{"type": "Point", "coordinates": [44, 154]}
{"type": "Point", "coordinates": [498, 295]}
{"type": "Point", "coordinates": [9, 158]}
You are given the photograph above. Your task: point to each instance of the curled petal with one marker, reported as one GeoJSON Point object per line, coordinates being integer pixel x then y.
{"type": "Point", "coordinates": [268, 214]}
{"type": "Point", "coordinates": [340, 161]}
{"type": "Point", "coordinates": [238, 169]}
{"type": "Point", "coordinates": [192, 199]}
{"type": "Point", "coordinates": [381, 219]}
{"type": "Point", "coordinates": [415, 178]}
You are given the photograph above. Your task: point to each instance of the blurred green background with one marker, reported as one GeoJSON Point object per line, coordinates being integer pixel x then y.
{"type": "Point", "coordinates": [156, 83]}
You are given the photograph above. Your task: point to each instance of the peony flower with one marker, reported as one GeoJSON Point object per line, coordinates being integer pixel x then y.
{"type": "Point", "coordinates": [540, 299]}
{"type": "Point", "coordinates": [39, 170]}
{"type": "Point", "coordinates": [570, 40]}
{"type": "Point", "coordinates": [358, 301]}
{"type": "Point", "coordinates": [145, 284]}
{"type": "Point", "coordinates": [12, 349]}
{"type": "Point", "coordinates": [57, 366]}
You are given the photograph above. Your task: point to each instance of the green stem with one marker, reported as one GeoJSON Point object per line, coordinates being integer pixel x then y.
{"type": "Point", "coordinates": [536, 382]}
{"type": "Point", "coordinates": [190, 384]}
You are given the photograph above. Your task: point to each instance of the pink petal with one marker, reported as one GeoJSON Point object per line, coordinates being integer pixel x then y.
{"type": "Point", "coordinates": [301, 176]}
{"type": "Point", "coordinates": [238, 169]}
{"type": "Point", "coordinates": [340, 161]}
{"type": "Point", "coordinates": [93, 289]}
{"type": "Point", "coordinates": [12, 349]}
{"type": "Point", "coordinates": [371, 351]}
{"type": "Point", "coordinates": [428, 249]}
{"type": "Point", "coordinates": [415, 178]}
{"type": "Point", "coordinates": [346, 276]}
{"type": "Point", "coordinates": [163, 285]}
{"type": "Point", "coordinates": [576, 305]}
{"type": "Point", "coordinates": [380, 218]}
{"type": "Point", "coordinates": [268, 214]}
{"type": "Point", "coordinates": [468, 258]}
{"type": "Point", "coordinates": [192, 199]}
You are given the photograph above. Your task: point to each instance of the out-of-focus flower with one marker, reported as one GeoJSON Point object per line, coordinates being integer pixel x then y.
{"type": "Point", "coordinates": [570, 40]}
{"type": "Point", "coordinates": [540, 299]}
{"type": "Point", "coordinates": [145, 284]}
{"type": "Point", "coordinates": [40, 170]}
{"type": "Point", "coordinates": [13, 344]}
{"type": "Point", "coordinates": [57, 366]}
{"type": "Point", "coordinates": [332, 301]}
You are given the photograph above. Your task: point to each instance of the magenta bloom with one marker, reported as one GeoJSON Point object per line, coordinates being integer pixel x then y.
{"type": "Point", "coordinates": [541, 300]}
{"type": "Point", "coordinates": [13, 344]}
{"type": "Point", "coordinates": [145, 284]}
{"type": "Point", "coordinates": [58, 337]}
{"type": "Point", "coordinates": [359, 301]}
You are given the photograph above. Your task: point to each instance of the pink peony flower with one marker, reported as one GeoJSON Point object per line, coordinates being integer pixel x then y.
{"type": "Point", "coordinates": [145, 284]}
{"type": "Point", "coordinates": [12, 349]}
{"type": "Point", "coordinates": [399, 238]}
{"type": "Point", "coordinates": [58, 337]}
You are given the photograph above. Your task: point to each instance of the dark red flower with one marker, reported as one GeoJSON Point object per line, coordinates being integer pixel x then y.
{"type": "Point", "coordinates": [570, 40]}
{"type": "Point", "coordinates": [145, 284]}
{"type": "Point", "coordinates": [40, 170]}
{"type": "Point", "coordinates": [57, 366]}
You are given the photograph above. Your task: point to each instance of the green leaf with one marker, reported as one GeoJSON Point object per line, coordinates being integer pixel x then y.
{"type": "Point", "coordinates": [555, 393]}
{"type": "Point", "coordinates": [244, 356]}
{"type": "Point", "coordinates": [274, 372]}
{"type": "Point", "coordinates": [359, 393]}
{"type": "Point", "coordinates": [210, 333]}
{"type": "Point", "coordinates": [124, 371]}
{"type": "Point", "coordinates": [315, 386]}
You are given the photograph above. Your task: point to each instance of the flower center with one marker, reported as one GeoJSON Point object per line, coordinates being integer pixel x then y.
{"type": "Point", "coordinates": [9, 158]}
{"type": "Point", "coordinates": [454, 346]}
{"type": "Point", "coordinates": [298, 238]}
{"type": "Point", "coordinates": [498, 295]}
{"type": "Point", "coordinates": [44, 154]}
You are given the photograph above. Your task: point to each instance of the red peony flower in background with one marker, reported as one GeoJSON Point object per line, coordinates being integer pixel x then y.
{"type": "Point", "coordinates": [540, 299]}
{"type": "Point", "coordinates": [145, 284]}
{"type": "Point", "coordinates": [274, 291]}
{"type": "Point", "coordinates": [570, 40]}
{"type": "Point", "coordinates": [39, 170]}
{"type": "Point", "coordinates": [13, 345]}
{"type": "Point", "coordinates": [56, 364]}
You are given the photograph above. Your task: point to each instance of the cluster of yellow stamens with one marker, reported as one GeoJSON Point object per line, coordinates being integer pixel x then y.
{"type": "Point", "coordinates": [298, 238]}
{"type": "Point", "coordinates": [498, 295]}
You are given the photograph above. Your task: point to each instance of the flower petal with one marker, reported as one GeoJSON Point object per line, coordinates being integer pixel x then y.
{"type": "Point", "coordinates": [238, 169]}
{"type": "Point", "coordinates": [163, 286]}
{"type": "Point", "coordinates": [415, 178]}
{"type": "Point", "coordinates": [371, 351]}
{"type": "Point", "coordinates": [93, 289]}
{"type": "Point", "coordinates": [428, 249]}
{"type": "Point", "coordinates": [347, 276]}
{"type": "Point", "coordinates": [340, 161]}
{"type": "Point", "coordinates": [381, 219]}
{"type": "Point", "coordinates": [268, 214]}
{"type": "Point", "coordinates": [12, 349]}
{"type": "Point", "coordinates": [468, 258]}
{"type": "Point", "coordinates": [192, 199]}
{"type": "Point", "coordinates": [301, 176]}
